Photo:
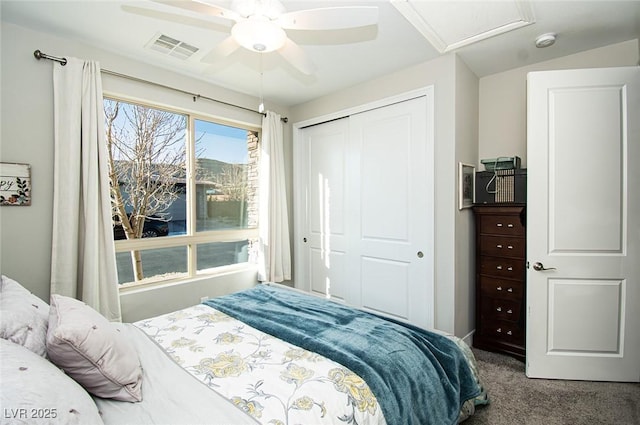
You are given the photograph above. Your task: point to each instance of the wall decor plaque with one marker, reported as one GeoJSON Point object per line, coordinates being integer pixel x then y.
{"type": "Point", "coordinates": [15, 184]}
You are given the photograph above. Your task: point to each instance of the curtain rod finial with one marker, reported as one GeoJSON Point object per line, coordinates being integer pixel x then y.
{"type": "Point", "coordinates": [39, 55]}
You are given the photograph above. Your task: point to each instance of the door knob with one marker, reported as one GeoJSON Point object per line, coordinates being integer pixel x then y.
{"type": "Point", "coordinates": [538, 266]}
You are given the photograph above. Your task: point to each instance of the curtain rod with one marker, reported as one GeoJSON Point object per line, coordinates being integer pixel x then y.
{"type": "Point", "coordinates": [63, 61]}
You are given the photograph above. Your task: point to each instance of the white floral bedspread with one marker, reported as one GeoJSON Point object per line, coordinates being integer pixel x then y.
{"type": "Point", "coordinates": [271, 380]}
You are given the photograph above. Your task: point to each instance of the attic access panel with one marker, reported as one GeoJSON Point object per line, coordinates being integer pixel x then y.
{"type": "Point", "coordinates": [449, 25]}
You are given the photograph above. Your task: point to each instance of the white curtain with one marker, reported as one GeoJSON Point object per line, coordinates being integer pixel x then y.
{"type": "Point", "coordinates": [82, 255]}
{"type": "Point", "coordinates": [274, 256]}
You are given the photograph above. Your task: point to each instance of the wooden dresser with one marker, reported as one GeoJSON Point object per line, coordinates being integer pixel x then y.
{"type": "Point", "coordinates": [500, 279]}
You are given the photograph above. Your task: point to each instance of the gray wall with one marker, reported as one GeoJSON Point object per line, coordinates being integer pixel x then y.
{"type": "Point", "coordinates": [490, 110]}
{"type": "Point", "coordinates": [475, 118]}
{"type": "Point", "coordinates": [503, 115]}
{"type": "Point", "coordinates": [27, 137]}
{"type": "Point", "coordinates": [466, 148]}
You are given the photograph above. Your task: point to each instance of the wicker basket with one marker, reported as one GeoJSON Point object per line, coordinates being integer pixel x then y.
{"type": "Point", "coordinates": [501, 186]}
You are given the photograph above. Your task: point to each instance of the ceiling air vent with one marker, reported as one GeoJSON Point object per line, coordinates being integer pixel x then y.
{"type": "Point", "coordinates": [170, 46]}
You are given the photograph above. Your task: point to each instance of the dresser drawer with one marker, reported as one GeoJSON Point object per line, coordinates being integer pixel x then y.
{"type": "Point", "coordinates": [503, 246]}
{"type": "Point", "coordinates": [503, 330]}
{"type": "Point", "coordinates": [512, 268]}
{"type": "Point", "coordinates": [501, 309]}
{"type": "Point", "coordinates": [501, 288]}
{"type": "Point", "coordinates": [501, 225]}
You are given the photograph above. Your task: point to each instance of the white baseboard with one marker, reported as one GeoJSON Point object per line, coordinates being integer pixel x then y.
{"type": "Point", "coordinates": [468, 338]}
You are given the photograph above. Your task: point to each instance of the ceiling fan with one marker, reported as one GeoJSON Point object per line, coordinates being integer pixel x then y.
{"type": "Point", "coordinates": [260, 26]}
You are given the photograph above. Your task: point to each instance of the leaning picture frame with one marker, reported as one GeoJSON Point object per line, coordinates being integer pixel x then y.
{"type": "Point", "coordinates": [466, 185]}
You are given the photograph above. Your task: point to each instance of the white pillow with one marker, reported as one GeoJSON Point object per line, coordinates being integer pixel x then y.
{"type": "Point", "coordinates": [23, 316]}
{"type": "Point", "coordinates": [93, 351]}
{"type": "Point", "coordinates": [36, 391]}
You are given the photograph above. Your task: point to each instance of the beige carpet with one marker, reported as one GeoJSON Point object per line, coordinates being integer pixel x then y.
{"type": "Point", "coordinates": [515, 399]}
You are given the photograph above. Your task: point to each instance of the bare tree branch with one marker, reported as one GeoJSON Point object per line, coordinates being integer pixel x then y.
{"type": "Point", "coordinates": [147, 161]}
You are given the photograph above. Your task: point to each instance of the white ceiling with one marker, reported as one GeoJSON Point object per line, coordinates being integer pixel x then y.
{"type": "Point", "coordinates": [345, 57]}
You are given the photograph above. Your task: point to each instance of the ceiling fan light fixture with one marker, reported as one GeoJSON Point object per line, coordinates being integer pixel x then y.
{"type": "Point", "coordinates": [259, 34]}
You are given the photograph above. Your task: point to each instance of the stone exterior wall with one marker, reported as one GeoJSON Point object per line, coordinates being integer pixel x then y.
{"type": "Point", "coordinates": [252, 179]}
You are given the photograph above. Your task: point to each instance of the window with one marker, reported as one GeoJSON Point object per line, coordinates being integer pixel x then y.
{"type": "Point", "coordinates": [183, 192]}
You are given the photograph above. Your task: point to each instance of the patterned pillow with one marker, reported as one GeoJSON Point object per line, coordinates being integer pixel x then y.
{"type": "Point", "coordinates": [23, 316]}
{"type": "Point", "coordinates": [36, 391]}
{"type": "Point", "coordinates": [93, 351]}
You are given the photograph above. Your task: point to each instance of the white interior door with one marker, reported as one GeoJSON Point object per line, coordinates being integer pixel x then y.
{"type": "Point", "coordinates": [583, 224]}
{"type": "Point", "coordinates": [365, 209]}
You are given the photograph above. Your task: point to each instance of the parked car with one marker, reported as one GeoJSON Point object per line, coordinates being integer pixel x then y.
{"type": "Point", "coordinates": [154, 226]}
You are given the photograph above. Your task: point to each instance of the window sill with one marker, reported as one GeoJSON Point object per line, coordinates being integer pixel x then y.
{"type": "Point", "coordinates": [151, 284]}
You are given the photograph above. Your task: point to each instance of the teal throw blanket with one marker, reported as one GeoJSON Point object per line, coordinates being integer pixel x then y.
{"type": "Point", "coordinates": [418, 377]}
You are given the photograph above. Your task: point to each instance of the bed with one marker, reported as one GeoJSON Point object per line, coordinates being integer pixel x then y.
{"type": "Point", "coordinates": [267, 355]}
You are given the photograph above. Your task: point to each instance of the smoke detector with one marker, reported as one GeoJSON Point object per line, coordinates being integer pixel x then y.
{"type": "Point", "coordinates": [545, 40]}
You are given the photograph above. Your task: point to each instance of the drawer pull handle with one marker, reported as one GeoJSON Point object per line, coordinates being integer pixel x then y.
{"type": "Point", "coordinates": [509, 311]}
{"type": "Point", "coordinates": [510, 290]}
{"type": "Point", "coordinates": [499, 288]}
{"type": "Point", "coordinates": [509, 333]}
{"type": "Point", "coordinates": [499, 246]}
{"type": "Point", "coordinates": [499, 309]}
{"type": "Point", "coordinates": [499, 224]}
{"type": "Point", "coordinates": [510, 268]}
{"type": "Point", "coordinates": [509, 225]}
{"type": "Point", "coordinates": [509, 246]}
{"type": "Point", "coordinates": [499, 330]}
{"type": "Point", "coordinates": [499, 267]}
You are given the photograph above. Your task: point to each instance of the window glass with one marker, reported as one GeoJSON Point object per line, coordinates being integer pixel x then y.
{"type": "Point", "coordinates": [226, 177]}
{"type": "Point", "coordinates": [147, 161]}
{"type": "Point", "coordinates": [157, 264]}
{"type": "Point", "coordinates": [218, 254]}
{"type": "Point", "coordinates": [173, 189]}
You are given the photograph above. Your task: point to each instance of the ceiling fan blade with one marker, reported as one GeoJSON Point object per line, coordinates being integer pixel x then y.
{"type": "Point", "coordinates": [330, 18]}
{"type": "Point", "coordinates": [297, 57]}
{"type": "Point", "coordinates": [202, 7]}
{"type": "Point", "coordinates": [222, 50]}
{"type": "Point", "coordinates": [173, 17]}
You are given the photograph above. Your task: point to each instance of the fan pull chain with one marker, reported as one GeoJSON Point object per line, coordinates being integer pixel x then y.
{"type": "Point", "coordinates": [261, 105]}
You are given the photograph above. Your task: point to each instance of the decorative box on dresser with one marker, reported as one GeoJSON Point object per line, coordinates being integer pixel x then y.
{"type": "Point", "coordinates": [500, 278]}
